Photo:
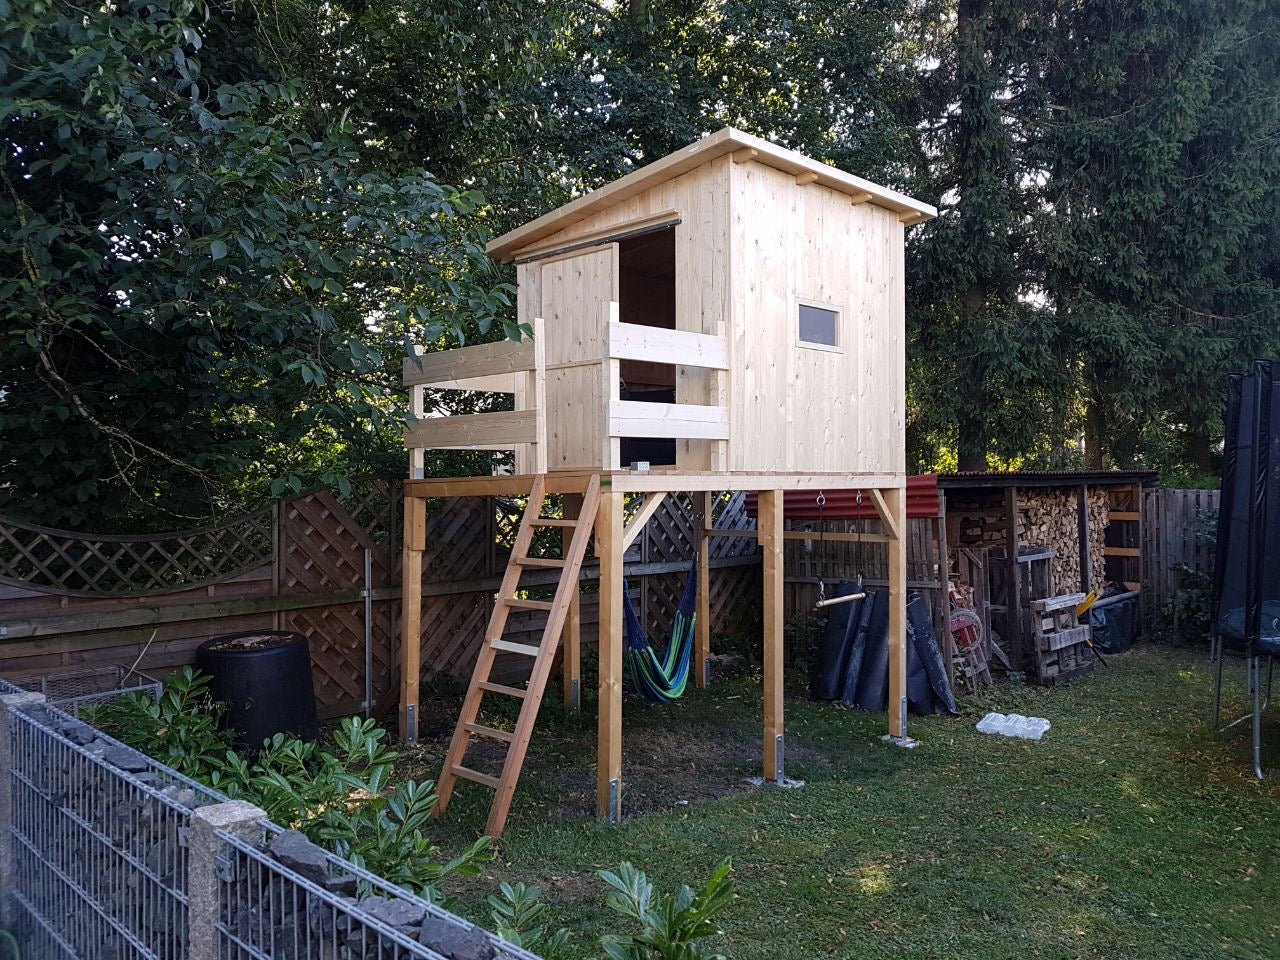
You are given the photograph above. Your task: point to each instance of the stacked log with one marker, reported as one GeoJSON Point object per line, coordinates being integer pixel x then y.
{"type": "Point", "coordinates": [978, 521]}
{"type": "Point", "coordinates": [1049, 517]}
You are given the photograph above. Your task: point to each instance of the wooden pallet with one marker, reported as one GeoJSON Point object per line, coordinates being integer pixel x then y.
{"type": "Point", "coordinates": [578, 534]}
{"type": "Point", "coordinates": [1059, 640]}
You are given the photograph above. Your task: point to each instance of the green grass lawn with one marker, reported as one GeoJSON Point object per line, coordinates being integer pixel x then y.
{"type": "Point", "coordinates": [1129, 832]}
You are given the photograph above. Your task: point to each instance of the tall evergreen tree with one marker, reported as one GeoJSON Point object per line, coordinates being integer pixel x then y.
{"type": "Point", "coordinates": [1160, 155]}
{"type": "Point", "coordinates": [984, 376]}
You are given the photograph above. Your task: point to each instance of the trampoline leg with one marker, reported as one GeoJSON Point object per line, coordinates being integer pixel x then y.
{"type": "Point", "coordinates": [1256, 674]}
{"type": "Point", "coordinates": [1216, 655]}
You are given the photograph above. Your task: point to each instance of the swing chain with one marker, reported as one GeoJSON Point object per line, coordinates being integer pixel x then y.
{"type": "Point", "coordinates": [822, 552]}
{"type": "Point", "coordinates": [858, 542]}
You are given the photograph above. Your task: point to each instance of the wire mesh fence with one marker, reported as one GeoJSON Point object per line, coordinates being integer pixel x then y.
{"type": "Point", "coordinates": [97, 838]}
{"type": "Point", "coordinates": [81, 689]}
{"type": "Point", "coordinates": [99, 857]}
{"type": "Point", "coordinates": [272, 905]}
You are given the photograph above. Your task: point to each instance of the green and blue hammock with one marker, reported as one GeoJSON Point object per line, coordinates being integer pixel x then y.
{"type": "Point", "coordinates": [662, 679]}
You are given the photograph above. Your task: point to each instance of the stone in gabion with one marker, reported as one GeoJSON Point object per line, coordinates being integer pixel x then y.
{"type": "Point", "coordinates": [125, 759]}
{"type": "Point", "coordinates": [344, 885]}
{"type": "Point", "coordinates": [183, 796]}
{"type": "Point", "coordinates": [400, 914]}
{"type": "Point", "coordinates": [455, 941]}
{"type": "Point", "coordinates": [79, 733]}
{"type": "Point", "coordinates": [300, 855]}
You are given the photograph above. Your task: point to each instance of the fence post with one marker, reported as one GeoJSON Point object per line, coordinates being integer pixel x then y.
{"type": "Point", "coordinates": [237, 817]}
{"type": "Point", "coordinates": [8, 859]}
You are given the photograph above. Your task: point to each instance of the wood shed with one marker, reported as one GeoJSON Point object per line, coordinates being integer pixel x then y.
{"type": "Point", "coordinates": [1071, 531]}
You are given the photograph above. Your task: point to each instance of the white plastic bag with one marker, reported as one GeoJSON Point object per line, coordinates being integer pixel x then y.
{"type": "Point", "coordinates": [1014, 725]}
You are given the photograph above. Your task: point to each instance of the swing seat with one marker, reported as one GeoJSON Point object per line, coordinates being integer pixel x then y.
{"type": "Point", "coordinates": [662, 679]}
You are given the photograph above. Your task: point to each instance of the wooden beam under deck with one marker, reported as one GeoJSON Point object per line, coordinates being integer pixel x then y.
{"type": "Point", "coordinates": [652, 481]}
{"type": "Point", "coordinates": [609, 531]}
{"type": "Point", "coordinates": [415, 546]}
{"type": "Point", "coordinates": [832, 535]}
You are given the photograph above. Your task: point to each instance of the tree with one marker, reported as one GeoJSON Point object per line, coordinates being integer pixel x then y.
{"type": "Point", "coordinates": [984, 375]}
{"type": "Point", "coordinates": [206, 285]}
{"type": "Point", "coordinates": [1160, 152]}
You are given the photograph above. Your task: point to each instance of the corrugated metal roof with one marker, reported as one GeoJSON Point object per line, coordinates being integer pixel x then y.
{"type": "Point", "coordinates": [922, 501]}
{"type": "Point", "coordinates": [1046, 478]}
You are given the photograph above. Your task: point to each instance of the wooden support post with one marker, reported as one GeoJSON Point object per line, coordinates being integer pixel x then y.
{"type": "Point", "coordinates": [571, 642]}
{"type": "Point", "coordinates": [944, 577]}
{"type": "Point", "coordinates": [609, 524]}
{"type": "Point", "coordinates": [702, 635]}
{"type": "Point", "coordinates": [895, 502]}
{"type": "Point", "coordinates": [1086, 551]}
{"type": "Point", "coordinates": [1013, 618]}
{"type": "Point", "coordinates": [771, 540]}
{"type": "Point", "coordinates": [415, 544]}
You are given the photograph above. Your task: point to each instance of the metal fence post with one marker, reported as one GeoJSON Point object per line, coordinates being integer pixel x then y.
{"type": "Point", "coordinates": [8, 864]}
{"type": "Point", "coordinates": [237, 817]}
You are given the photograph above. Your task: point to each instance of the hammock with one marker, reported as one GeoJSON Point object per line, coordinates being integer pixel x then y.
{"type": "Point", "coordinates": [662, 679]}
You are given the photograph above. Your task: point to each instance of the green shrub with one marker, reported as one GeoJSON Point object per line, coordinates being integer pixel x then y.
{"type": "Point", "coordinates": [518, 915]}
{"type": "Point", "coordinates": [670, 926]}
{"type": "Point", "coordinates": [344, 796]}
{"type": "Point", "coordinates": [181, 729]}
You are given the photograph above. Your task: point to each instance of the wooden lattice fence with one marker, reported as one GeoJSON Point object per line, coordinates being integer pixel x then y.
{"type": "Point", "coordinates": [70, 601]}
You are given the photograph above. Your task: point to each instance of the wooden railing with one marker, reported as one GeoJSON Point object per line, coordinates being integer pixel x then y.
{"type": "Point", "coordinates": [677, 421]}
{"type": "Point", "coordinates": [520, 368]}
{"type": "Point", "coordinates": [508, 366]}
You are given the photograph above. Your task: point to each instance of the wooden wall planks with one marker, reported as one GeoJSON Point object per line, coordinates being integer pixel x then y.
{"type": "Point", "coordinates": [803, 408]}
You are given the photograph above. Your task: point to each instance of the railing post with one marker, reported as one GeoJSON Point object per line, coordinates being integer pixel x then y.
{"type": "Point", "coordinates": [9, 702]}
{"type": "Point", "coordinates": [536, 393]}
{"type": "Point", "coordinates": [237, 817]}
{"type": "Point", "coordinates": [610, 387]}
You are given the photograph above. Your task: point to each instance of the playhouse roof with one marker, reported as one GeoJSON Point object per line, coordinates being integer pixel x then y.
{"type": "Point", "coordinates": [727, 140]}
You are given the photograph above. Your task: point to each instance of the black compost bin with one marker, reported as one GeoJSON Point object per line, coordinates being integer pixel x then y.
{"type": "Point", "coordinates": [264, 678]}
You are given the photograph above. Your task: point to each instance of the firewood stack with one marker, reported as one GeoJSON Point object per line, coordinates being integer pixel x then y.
{"type": "Point", "coordinates": [1048, 517]}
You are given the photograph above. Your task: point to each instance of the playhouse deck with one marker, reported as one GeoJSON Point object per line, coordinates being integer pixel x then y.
{"type": "Point", "coordinates": [613, 533]}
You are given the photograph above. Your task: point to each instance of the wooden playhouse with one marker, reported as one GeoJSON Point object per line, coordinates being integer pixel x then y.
{"type": "Point", "coordinates": [730, 317]}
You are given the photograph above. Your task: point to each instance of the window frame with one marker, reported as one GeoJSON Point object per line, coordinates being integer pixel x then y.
{"type": "Point", "coordinates": [837, 309]}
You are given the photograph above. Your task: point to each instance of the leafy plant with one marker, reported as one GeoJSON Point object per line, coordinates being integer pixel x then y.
{"type": "Point", "coordinates": [342, 797]}
{"type": "Point", "coordinates": [670, 926]}
{"type": "Point", "coordinates": [518, 915]}
{"type": "Point", "coordinates": [180, 729]}
{"type": "Point", "coordinates": [1188, 615]}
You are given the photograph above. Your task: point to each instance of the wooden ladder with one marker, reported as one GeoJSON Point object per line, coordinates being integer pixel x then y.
{"type": "Point", "coordinates": [543, 654]}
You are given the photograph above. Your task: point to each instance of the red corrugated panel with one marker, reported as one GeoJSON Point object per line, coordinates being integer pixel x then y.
{"type": "Point", "coordinates": [922, 501]}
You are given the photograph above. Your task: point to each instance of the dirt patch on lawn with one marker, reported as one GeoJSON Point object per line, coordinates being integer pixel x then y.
{"type": "Point", "coordinates": [669, 762]}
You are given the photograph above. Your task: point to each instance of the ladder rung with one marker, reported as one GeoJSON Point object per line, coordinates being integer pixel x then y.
{"type": "Point", "coordinates": [506, 645]}
{"type": "Point", "coordinates": [553, 522]}
{"type": "Point", "coordinates": [475, 776]}
{"type": "Point", "coordinates": [491, 732]}
{"type": "Point", "coordinates": [527, 604]}
{"type": "Point", "coordinates": [548, 562]}
{"type": "Point", "coordinates": [503, 689]}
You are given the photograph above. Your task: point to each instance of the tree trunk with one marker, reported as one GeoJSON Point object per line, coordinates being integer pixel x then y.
{"type": "Point", "coordinates": [1095, 432]}
{"type": "Point", "coordinates": [1200, 451]}
{"type": "Point", "coordinates": [971, 418]}
{"type": "Point", "coordinates": [971, 448]}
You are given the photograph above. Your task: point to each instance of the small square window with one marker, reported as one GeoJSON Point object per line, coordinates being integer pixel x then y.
{"type": "Point", "coordinates": [819, 326]}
